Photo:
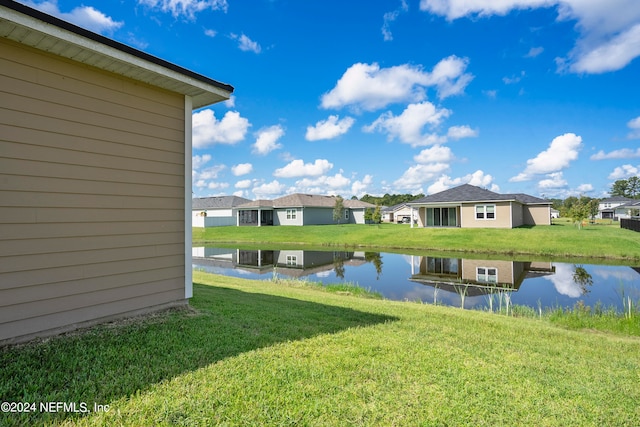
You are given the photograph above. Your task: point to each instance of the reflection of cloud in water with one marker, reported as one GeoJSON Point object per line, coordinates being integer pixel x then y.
{"type": "Point", "coordinates": [324, 273]}
{"type": "Point", "coordinates": [620, 273]}
{"type": "Point", "coordinates": [563, 281]}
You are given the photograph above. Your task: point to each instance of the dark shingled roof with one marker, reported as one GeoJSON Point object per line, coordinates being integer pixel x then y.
{"type": "Point", "coordinates": [298, 200]}
{"type": "Point", "coordinates": [221, 202]}
{"type": "Point", "coordinates": [471, 193]}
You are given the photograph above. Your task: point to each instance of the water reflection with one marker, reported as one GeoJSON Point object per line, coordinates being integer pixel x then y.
{"type": "Point", "coordinates": [462, 282]}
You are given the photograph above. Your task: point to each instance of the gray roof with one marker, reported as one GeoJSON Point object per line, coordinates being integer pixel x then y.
{"type": "Point", "coordinates": [471, 193]}
{"type": "Point", "coordinates": [633, 203]}
{"type": "Point", "coordinates": [299, 200]}
{"type": "Point", "coordinates": [620, 199]}
{"type": "Point", "coordinates": [220, 202]}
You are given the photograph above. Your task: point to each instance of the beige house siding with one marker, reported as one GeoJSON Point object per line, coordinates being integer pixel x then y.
{"type": "Point", "coordinates": [92, 198]}
{"type": "Point", "coordinates": [504, 269]}
{"type": "Point", "coordinates": [502, 220]}
{"type": "Point", "coordinates": [537, 215]}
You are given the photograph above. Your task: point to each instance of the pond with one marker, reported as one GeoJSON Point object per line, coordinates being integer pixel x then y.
{"type": "Point", "coordinates": [468, 282]}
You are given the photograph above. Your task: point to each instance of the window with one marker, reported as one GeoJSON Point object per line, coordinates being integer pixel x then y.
{"type": "Point", "coordinates": [346, 214]}
{"type": "Point", "coordinates": [485, 211]}
{"type": "Point", "coordinates": [292, 260]}
{"type": "Point", "coordinates": [441, 217]}
{"type": "Point", "coordinates": [291, 214]}
{"type": "Point", "coordinates": [487, 275]}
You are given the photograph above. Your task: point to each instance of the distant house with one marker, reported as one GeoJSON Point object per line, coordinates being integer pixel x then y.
{"type": "Point", "coordinates": [398, 213]}
{"type": "Point", "coordinates": [215, 211]}
{"type": "Point", "coordinates": [468, 206]}
{"type": "Point", "coordinates": [628, 210]}
{"type": "Point", "coordinates": [607, 207]}
{"type": "Point", "coordinates": [95, 176]}
{"type": "Point", "coordinates": [300, 209]}
{"type": "Point", "coordinates": [555, 213]}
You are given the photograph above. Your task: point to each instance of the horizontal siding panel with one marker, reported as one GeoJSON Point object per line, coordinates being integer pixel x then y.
{"type": "Point", "coordinates": [32, 104]}
{"type": "Point", "coordinates": [84, 186]}
{"type": "Point", "coordinates": [87, 299]}
{"type": "Point", "coordinates": [17, 87]}
{"type": "Point", "coordinates": [64, 274]}
{"type": "Point", "coordinates": [67, 127]}
{"type": "Point", "coordinates": [83, 144]}
{"type": "Point", "coordinates": [86, 243]}
{"type": "Point", "coordinates": [47, 231]}
{"type": "Point", "coordinates": [63, 258]}
{"type": "Point", "coordinates": [55, 290]}
{"type": "Point", "coordinates": [65, 318]}
{"type": "Point", "coordinates": [27, 215]}
{"type": "Point", "coordinates": [36, 66]}
{"type": "Point", "coordinates": [62, 200]}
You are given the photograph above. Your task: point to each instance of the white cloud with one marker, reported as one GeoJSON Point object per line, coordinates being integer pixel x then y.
{"type": "Point", "coordinates": [299, 168]}
{"type": "Point", "coordinates": [359, 188]}
{"type": "Point", "coordinates": [217, 185]}
{"type": "Point", "coordinates": [369, 87]}
{"type": "Point", "coordinates": [208, 130]}
{"type": "Point", "coordinates": [83, 16]}
{"type": "Point", "coordinates": [327, 185]}
{"type": "Point", "coordinates": [408, 126]}
{"type": "Point", "coordinates": [609, 30]}
{"type": "Point", "coordinates": [534, 51]}
{"type": "Point", "coordinates": [624, 153]}
{"type": "Point", "coordinates": [562, 150]}
{"type": "Point", "coordinates": [187, 8]}
{"type": "Point", "coordinates": [585, 188]}
{"type": "Point", "coordinates": [416, 176]}
{"type": "Point", "coordinates": [242, 169]}
{"type": "Point", "coordinates": [634, 125]}
{"type": "Point", "coordinates": [198, 161]}
{"type": "Point", "coordinates": [269, 190]}
{"type": "Point", "coordinates": [246, 44]}
{"type": "Point", "coordinates": [459, 132]}
{"type": "Point", "coordinates": [210, 33]}
{"type": "Point", "coordinates": [624, 172]}
{"type": "Point", "coordinates": [267, 139]}
{"type": "Point", "coordinates": [435, 154]}
{"type": "Point", "coordinates": [231, 102]}
{"type": "Point", "coordinates": [553, 180]}
{"type": "Point", "coordinates": [329, 129]}
{"type": "Point", "coordinates": [390, 17]}
{"type": "Point", "coordinates": [245, 183]}
{"type": "Point", "coordinates": [477, 178]}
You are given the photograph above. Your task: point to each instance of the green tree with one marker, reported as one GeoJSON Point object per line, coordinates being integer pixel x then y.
{"type": "Point", "coordinates": [619, 188]}
{"type": "Point", "coordinates": [377, 215]}
{"type": "Point", "coordinates": [579, 211]}
{"type": "Point", "coordinates": [338, 209]}
{"type": "Point", "coordinates": [626, 187]}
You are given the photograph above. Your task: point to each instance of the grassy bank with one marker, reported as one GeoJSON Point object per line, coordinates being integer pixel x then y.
{"type": "Point", "coordinates": [262, 353]}
{"type": "Point", "coordinates": [558, 240]}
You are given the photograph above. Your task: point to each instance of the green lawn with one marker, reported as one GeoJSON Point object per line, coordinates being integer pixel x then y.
{"type": "Point", "coordinates": [263, 353]}
{"type": "Point", "coordinates": [559, 240]}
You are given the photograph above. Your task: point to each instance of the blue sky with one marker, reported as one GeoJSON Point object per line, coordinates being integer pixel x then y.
{"type": "Point", "coordinates": [398, 96]}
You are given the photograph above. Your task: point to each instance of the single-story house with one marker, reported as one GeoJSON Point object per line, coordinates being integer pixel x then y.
{"type": "Point", "coordinates": [397, 213]}
{"type": "Point", "coordinates": [628, 210]}
{"type": "Point", "coordinates": [300, 209]}
{"type": "Point", "coordinates": [95, 176]}
{"type": "Point", "coordinates": [607, 208]}
{"type": "Point", "coordinates": [468, 206]}
{"type": "Point", "coordinates": [215, 211]}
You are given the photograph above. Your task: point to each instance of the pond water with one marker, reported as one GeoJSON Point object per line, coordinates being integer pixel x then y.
{"type": "Point", "coordinates": [455, 281]}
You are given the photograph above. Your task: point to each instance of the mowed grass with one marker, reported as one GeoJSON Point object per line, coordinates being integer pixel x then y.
{"type": "Point", "coordinates": [562, 239]}
{"type": "Point", "coordinates": [264, 353]}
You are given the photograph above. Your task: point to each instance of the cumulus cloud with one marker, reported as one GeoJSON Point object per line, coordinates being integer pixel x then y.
{"type": "Point", "coordinates": [245, 183]}
{"type": "Point", "coordinates": [609, 30]}
{"type": "Point", "coordinates": [624, 153]}
{"type": "Point", "coordinates": [198, 161]}
{"type": "Point", "coordinates": [329, 129]}
{"type": "Point", "coordinates": [359, 188]}
{"type": "Point", "coordinates": [585, 188]}
{"type": "Point", "coordinates": [242, 169]}
{"type": "Point", "coordinates": [269, 190]}
{"type": "Point", "coordinates": [534, 51]}
{"type": "Point", "coordinates": [299, 168]}
{"type": "Point", "coordinates": [369, 87]}
{"type": "Point", "coordinates": [561, 152]}
{"type": "Point", "coordinates": [208, 130]}
{"type": "Point", "coordinates": [553, 180]}
{"type": "Point", "coordinates": [83, 16]}
{"type": "Point", "coordinates": [435, 154]}
{"type": "Point", "coordinates": [634, 125]}
{"type": "Point", "coordinates": [267, 139]}
{"type": "Point", "coordinates": [246, 44]}
{"type": "Point", "coordinates": [624, 172]}
{"type": "Point", "coordinates": [186, 8]}
{"type": "Point", "coordinates": [459, 132]}
{"type": "Point", "coordinates": [413, 179]}
{"type": "Point", "coordinates": [326, 185]}
{"type": "Point", "coordinates": [408, 126]}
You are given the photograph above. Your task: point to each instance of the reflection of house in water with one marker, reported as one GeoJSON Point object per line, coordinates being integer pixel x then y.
{"type": "Point", "coordinates": [474, 276]}
{"type": "Point", "coordinates": [293, 262]}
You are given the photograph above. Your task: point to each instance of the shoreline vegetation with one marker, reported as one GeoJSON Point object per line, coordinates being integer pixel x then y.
{"type": "Point", "coordinates": [600, 241]}
{"type": "Point", "coordinates": [286, 353]}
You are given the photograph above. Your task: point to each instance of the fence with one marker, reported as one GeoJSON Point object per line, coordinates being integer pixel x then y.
{"type": "Point", "coordinates": [630, 224]}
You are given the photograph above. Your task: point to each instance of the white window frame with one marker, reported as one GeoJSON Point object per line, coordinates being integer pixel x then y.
{"type": "Point", "coordinates": [292, 213]}
{"type": "Point", "coordinates": [346, 214]}
{"type": "Point", "coordinates": [292, 260]}
{"type": "Point", "coordinates": [485, 277]}
{"type": "Point", "coordinates": [482, 209]}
